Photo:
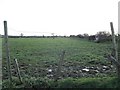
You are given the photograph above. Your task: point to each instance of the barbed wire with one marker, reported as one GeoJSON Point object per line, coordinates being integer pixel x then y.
{"type": "Point", "coordinates": [32, 32]}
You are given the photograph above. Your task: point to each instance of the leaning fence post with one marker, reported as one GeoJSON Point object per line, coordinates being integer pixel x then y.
{"type": "Point", "coordinates": [60, 65]}
{"type": "Point", "coordinates": [115, 47]}
{"type": "Point", "coordinates": [7, 51]}
{"type": "Point", "coordinates": [18, 70]}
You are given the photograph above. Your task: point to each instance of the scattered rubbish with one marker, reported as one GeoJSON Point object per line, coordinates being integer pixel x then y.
{"type": "Point", "coordinates": [86, 70]}
{"type": "Point", "coordinates": [50, 70]}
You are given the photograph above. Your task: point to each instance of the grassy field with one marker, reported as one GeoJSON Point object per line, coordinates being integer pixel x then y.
{"type": "Point", "coordinates": [36, 56]}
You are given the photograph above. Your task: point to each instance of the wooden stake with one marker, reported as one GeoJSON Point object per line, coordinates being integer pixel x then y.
{"type": "Point", "coordinates": [7, 51]}
{"type": "Point", "coordinates": [115, 48]}
{"type": "Point", "coordinates": [60, 65]}
{"type": "Point", "coordinates": [18, 70]}
{"type": "Point", "coordinates": [114, 41]}
{"type": "Point", "coordinates": [112, 59]}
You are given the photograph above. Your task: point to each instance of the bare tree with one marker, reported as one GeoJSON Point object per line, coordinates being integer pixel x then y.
{"type": "Point", "coordinates": [52, 35]}
{"type": "Point", "coordinates": [21, 34]}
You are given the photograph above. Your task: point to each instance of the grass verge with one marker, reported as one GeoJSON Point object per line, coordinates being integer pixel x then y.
{"type": "Point", "coordinates": [35, 83]}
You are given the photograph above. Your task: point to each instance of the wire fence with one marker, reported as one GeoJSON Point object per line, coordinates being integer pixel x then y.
{"type": "Point", "coordinates": [15, 32]}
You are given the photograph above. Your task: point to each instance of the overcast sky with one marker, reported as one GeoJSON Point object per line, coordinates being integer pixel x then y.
{"type": "Point", "coordinates": [62, 17]}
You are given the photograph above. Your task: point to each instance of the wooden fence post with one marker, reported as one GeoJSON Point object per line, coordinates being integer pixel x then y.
{"type": "Point", "coordinates": [60, 65]}
{"type": "Point", "coordinates": [7, 51]}
{"type": "Point", "coordinates": [0, 62]}
{"type": "Point", "coordinates": [18, 70]}
{"type": "Point", "coordinates": [115, 48]}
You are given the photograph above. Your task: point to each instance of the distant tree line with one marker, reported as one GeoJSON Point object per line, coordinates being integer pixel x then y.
{"type": "Point", "coordinates": [101, 36]}
{"type": "Point", "coordinates": [32, 36]}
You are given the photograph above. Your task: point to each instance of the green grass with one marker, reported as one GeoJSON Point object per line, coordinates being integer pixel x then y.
{"type": "Point", "coordinates": [41, 53]}
{"type": "Point", "coordinates": [105, 82]}
{"type": "Point", "coordinates": [47, 49]}
{"type": "Point", "coordinates": [32, 82]}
